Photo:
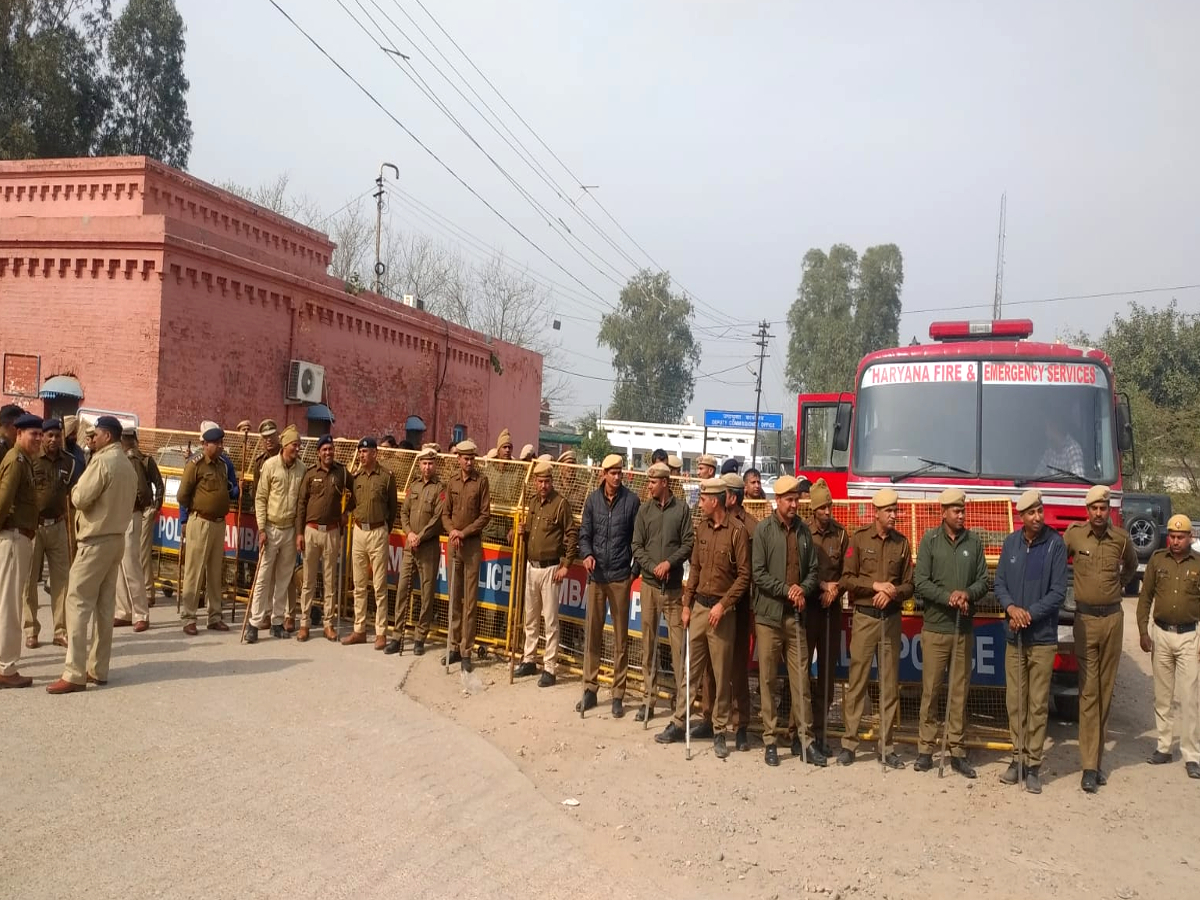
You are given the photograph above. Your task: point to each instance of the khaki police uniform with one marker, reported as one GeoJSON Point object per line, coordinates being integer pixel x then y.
{"type": "Point", "coordinates": [719, 573]}
{"type": "Point", "coordinates": [133, 603]}
{"type": "Point", "coordinates": [1101, 566]}
{"type": "Point", "coordinates": [256, 467]}
{"type": "Point", "coordinates": [319, 519]}
{"type": "Point", "coordinates": [823, 624]}
{"type": "Point", "coordinates": [51, 478]}
{"type": "Point", "coordinates": [276, 497]}
{"type": "Point", "coordinates": [551, 541]}
{"type": "Point", "coordinates": [468, 508]}
{"type": "Point", "coordinates": [204, 493]}
{"type": "Point", "coordinates": [869, 559]}
{"type": "Point", "coordinates": [420, 515]}
{"type": "Point", "coordinates": [18, 528]}
{"type": "Point", "coordinates": [103, 500]}
{"type": "Point", "coordinates": [744, 627]}
{"type": "Point", "coordinates": [373, 500]}
{"type": "Point", "coordinates": [1171, 594]}
{"type": "Point", "coordinates": [150, 521]}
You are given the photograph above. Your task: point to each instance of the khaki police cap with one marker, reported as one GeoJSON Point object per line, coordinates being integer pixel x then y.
{"type": "Point", "coordinates": [267, 427]}
{"type": "Point", "coordinates": [733, 481]}
{"type": "Point", "coordinates": [1098, 494]}
{"type": "Point", "coordinates": [567, 456]}
{"type": "Point", "coordinates": [545, 457]}
{"type": "Point", "coordinates": [436, 448]}
{"type": "Point", "coordinates": [526, 452]}
{"type": "Point", "coordinates": [70, 426]}
{"type": "Point", "coordinates": [712, 486]}
{"type": "Point", "coordinates": [706, 460]}
{"type": "Point", "coordinates": [466, 448]}
{"type": "Point", "coordinates": [491, 454]}
{"type": "Point", "coordinates": [1179, 522]}
{"type": "Point", "coordinates": [1029, 499]}
{"type": "Point", "coordinates": [674, 462]}
{"type": "Point", "coordinates": [884, 498]}
{"type": "Point", "coordinates": [427, 452]}
{"type": "Point", "coordinates": [786, 484]}
{"type": "Point", "coordinates": [90, 430]}
{"type": "Point", "coordinates": [243, 425]}
{"type": "Point", "coordinates": [819, 496]}
{"type": "Point", "coordinates": [952, 497]}
{"type": "Point", "coordinates": [543, 467]}
{"type": "Point", "coordinates": [612, 461]}
{"type": "Point", "coordinates": [659, 470]}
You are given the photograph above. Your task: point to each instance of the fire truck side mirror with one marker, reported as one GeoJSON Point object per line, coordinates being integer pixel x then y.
{"type": "Point", "coordinates": [841, 428]}
{"type": "Point", "coordinates": [1124, 426]}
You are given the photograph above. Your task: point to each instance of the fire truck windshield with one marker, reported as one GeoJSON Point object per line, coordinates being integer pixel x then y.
{"type": "Point", "coordinates": [1009, 420]}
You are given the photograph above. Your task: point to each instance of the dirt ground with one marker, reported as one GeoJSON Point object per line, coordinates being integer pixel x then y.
{"type": "Point", "coordinates": [713, 827]}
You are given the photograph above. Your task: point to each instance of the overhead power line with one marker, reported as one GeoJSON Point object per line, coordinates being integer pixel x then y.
{"type": "Point", "coordinates": [1042, 300]}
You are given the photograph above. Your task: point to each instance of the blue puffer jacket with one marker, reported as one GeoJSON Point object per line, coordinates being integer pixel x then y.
{"type": "Point", "coordinates": [606, 533]}
{"type": "Point", "coordinates": [1033, 577]}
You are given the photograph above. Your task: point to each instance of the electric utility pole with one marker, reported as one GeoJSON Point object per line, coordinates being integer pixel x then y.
{"type": "Point", "coordinates": [763, 336]}
{"type": "Point", "coordinates": [380, 268]}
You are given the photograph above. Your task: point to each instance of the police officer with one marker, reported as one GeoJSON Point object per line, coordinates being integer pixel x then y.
{"type": "Point", "coordinates": [1031, 584]}
{"type": "Point", "coordinates": [319, 523]}
{"type": "Point", "coordinates": [373, 500]}
{"type": "Point", "coordinates": [567, 458]}
{"type": "Point", "coordinates": [103, 501]}
{"type": "Point", "coordinates": [276, 499]}
{"type": "Point", "coordinates": [718, 579]}
{"type": "Point", "coordinates": [132, 601]}
{"type": "Point", "coordinates": [150, 519]}
{"type": "Point", "coordinates": [752, 485]}
{"type": "Point", "coordinates": [18, 528]}
{"type": "Point", "coordinates": [504, 483]}
{"type": "Point", "coordinates": [823, 615]}
{"type": "Point", "coordinates": [662, 542]}
{"type": "Point", "coordinates": [706, 466]}
{"type": "Point", "coordinates": [877, 575]}
{"type": "Point", "coordinates": [526, 453]}
{"type": "Point", "coordinates": [71, 445]}
{"type": "Point", "coordinates": [467, 511]}
{"type": "Point", "coordinates": [741, 641]}
{"type": "Point", "coordinates": [504, 445]}
{"type": "Point", "coordinates": [1171, 593]}
{"type": "Point", "coordinates": [9, 413]}
{"type": "Point", "coordinates": [1103, 562]}
{"type": "Point", "coordinates": [268, 432]}
{"type": "Point", "coordinates": [675, 464]}
{"type": "Point", "coordinates": [552, 541]}
{"type": "Point", "coordinates": [53, 473]}
{"type": "Point", "coordinates": [950, 578]}
{"type": "Point", "coordinates": [270, 444]}
{"type": "Point", "coordinates": [421, 523]}
{"type": "Point", "coordinates": [786, 576]}
{"type": "Point", "coordinates": [203, 497]}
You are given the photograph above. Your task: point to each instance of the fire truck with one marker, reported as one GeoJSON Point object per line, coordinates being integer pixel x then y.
{"type": "Point", "coordinates": [984, 408]}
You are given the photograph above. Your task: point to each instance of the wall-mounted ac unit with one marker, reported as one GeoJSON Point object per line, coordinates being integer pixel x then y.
{"type": "Point", "coordinates": [306, 382]}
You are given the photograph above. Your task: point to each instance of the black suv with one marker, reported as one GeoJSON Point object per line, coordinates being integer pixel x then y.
{"type": "Point", "coordinates": [1145, 518]}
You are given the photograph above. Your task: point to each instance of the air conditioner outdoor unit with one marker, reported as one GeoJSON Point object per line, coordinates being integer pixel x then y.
{"type": "Point", "coordinates": [306, 382]}
{"type": "Point", "coordinates": [409, 300]}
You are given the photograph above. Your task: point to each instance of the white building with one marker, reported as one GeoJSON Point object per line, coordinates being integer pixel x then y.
{"type": "Point", "coordinates": [688, 441]}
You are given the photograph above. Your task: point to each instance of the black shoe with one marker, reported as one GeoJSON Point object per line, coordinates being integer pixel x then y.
{"type": "Point", "coordinates": [644, 712]}
{"type": "Point", "coordinates": [466, 664]}
{"type": "Point", "coordinates": [419, 648]}
{"type": "Point", "coordinates": [846, 758]}
{"type": "Point", "coordinates": [797, 749]}
{"type": "Point", "coordinates": [1012, 774]}
{"type": "Point", "coordinates": [1033, 780]}
{"type": "Point", "coordinates": [1101, 778]}
{"type": "Point", "coordinates": [618, 708]}
{"type": "Point", "coordinates": [771, 755]}
{"type": "Point", "coordinates": [703, 730]}
{"type": "Point", "coordinates": [816, 757]}
{"type": "Point", "coordinates": [672, 734]}
{"type": "Point", "coordinates": [525, 669]}
{"type": "Point", "coordinates": [251, 634]}
{"type": "Point", "coordinates": [588, 702]}
{"type": "Point", "coordinates": [742, 740]}
{"type": "Point", "coordinates": [1158, 758]}
{"type": "Point", "coordinates": [547, 680]}
{"type": "Point", "coordinates": [451, 658]}
{"type": "Point", "coordinates": [395, 645]}
{"type": "Point", "coordinates": [719, 748]}
{"type": "Point", "coordinates": [924, 762]}
{"type": "Point", "coordinates": [278, 632]}
{"type": "Point", "coordinates": [893, 761]}
{"type": "Point", "coordinates": [1193, 769]}
{"type": "Point", "coordinates": [1089, 783]}
{"type": "Point", "coordinates": [960, 765]}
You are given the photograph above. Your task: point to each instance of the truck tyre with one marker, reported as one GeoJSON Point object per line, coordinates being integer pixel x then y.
{"type": "Point", "coordinates": [1143, 532]}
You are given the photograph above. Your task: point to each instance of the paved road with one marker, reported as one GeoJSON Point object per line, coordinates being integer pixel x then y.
{"type": "Point", "coordinates": [211, 769]}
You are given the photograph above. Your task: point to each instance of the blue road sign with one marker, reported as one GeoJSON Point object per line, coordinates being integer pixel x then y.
{"type": "Point", "coordinates": [724, 418]}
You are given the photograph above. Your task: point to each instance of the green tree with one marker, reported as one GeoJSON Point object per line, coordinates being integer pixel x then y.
{"type": "Point", "coordinates": [844, 308]}
{"type": "Point", "coordinates": [150, 114]}
{"type": "Point", "coordinates": [595, 445]}
{"type": "Point", "coordinates": [654, 353]}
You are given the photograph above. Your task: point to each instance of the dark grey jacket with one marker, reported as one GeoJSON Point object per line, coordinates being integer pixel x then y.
{"type": "Point", "coordinates": [1033, 577]}
{"type": "Point", "coordinates": [606, 533]}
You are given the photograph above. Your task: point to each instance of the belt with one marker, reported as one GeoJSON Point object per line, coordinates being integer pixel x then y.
{"type": "Point", "coordinates": [370, 526]}
{"type": "Point", "coordinates": [888, 611]}
{"type": "Point", "coordinates": [27, 532]}
{"type": "Point", "coordinates": [1175, 629]}
{"type": "Point", "coordinates": [1088, 609]}
{"type": "Point", "coordinates": [46, 523]}
{"type": "Point", "coordinates": [544, 563]}
{"type": "Point", "coordinates": [288, 524]}
{"type": "Point", "coordinates": [206, 517]}
{"type": "Point", "coordinates": [319, 527]}
{"type": "Point", "coordinates": [709, 600]}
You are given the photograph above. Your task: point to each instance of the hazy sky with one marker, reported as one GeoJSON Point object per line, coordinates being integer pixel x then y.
{"type": "Point", "coordinates": [730, 137]}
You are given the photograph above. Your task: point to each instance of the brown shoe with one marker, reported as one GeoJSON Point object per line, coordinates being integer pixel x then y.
{"type": "Point", "coordinates": [303, 635]}
{"type": "Point", "coordinates": [60, 641]}
{"type": "Point", "coordinates": [15, 680]}
{"type": "Point", "coordinates": [289, 624]}
{"type": "Point", "coordinates": [141, 626]}
{"type": "Point", "coordinates": [354, 637]}
{"type": "Point", "coordinates": [32, 643]}
{"type": "Point", "coordinates": [122, 623]}
{"type": "Point", "coordinates": [92, 679]}
{"type": "Point", "coordinates": [380, 641]}
{"type": "Point", "coordinates": [62, 686]}
{"type": "Point", "coordinates": [218, 625]}
{"type": "Point", "coordinates": [330, 633]}
{"type": "Point", "coordinates": [190, 629]}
